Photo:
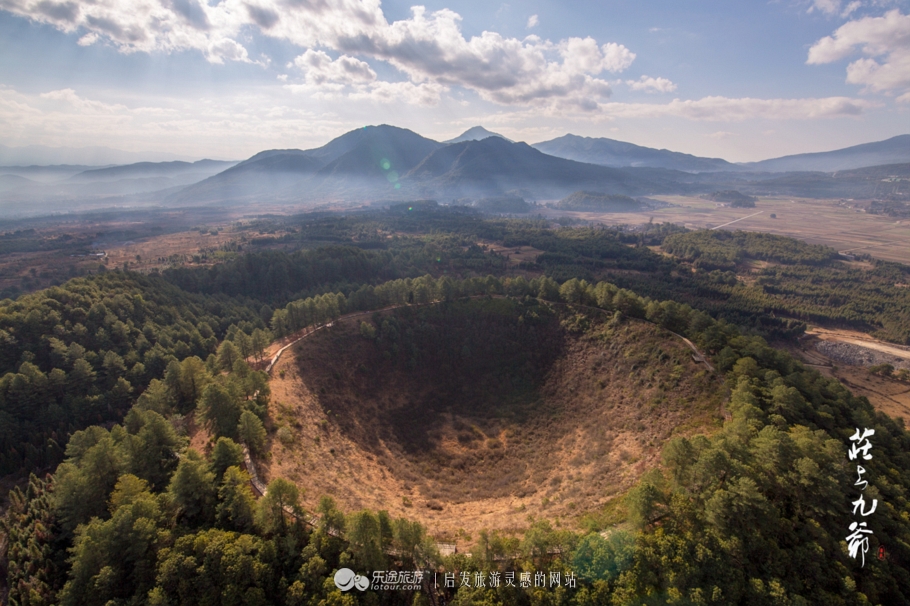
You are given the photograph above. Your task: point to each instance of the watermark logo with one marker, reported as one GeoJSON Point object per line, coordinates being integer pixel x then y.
{"type": "Point", "coordinates": [858, 541]}
{"type": "Point", "coordinates": [346, 578]}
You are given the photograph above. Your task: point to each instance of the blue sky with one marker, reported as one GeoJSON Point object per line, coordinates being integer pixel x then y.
{"type": "Point", "coordinates": [227, 78]}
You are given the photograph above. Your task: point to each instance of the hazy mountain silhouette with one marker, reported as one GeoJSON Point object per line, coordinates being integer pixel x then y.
{"type": "Point", "coordinates": [475, 133]}
{"type": "Point", "coordinates": [895, 150]}
{"type": "Point", "coordinates": [383, 162]}
{"type": "Point", "coordinates": [609, 152]}
{"type": "Point", "coordinates": [377, 163]}
{"type": "Point", "coordinates": [203, 168]}
{"type": "Point", "coordinates": [495, 166]}
{"type": "Point", "coordinates": [89, 156]}
{"type": "Point", "coordinates": [345, 165]}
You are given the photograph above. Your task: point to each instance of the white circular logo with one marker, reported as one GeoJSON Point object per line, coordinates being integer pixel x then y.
{"type": "Point", "coordinates": [346, 578]}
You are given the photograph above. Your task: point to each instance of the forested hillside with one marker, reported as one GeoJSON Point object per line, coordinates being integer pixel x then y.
{"type": "Point", "coordinates": [80, 353]}
{"type": "Point", "coordinates": [150, 520]}
{"type": "Point", "coordinates": [105, 373]}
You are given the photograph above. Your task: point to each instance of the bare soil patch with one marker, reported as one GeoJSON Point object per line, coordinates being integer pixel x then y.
{"type": "Point", "coordinates": [886, 394]}
{"type": "Point", "coordinates": [862, 340]}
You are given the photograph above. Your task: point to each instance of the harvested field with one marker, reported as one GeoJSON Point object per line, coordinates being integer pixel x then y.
{"type": "Point", "coordinates": [833, 223]}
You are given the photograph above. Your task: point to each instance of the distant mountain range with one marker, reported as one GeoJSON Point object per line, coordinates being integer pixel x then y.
{"type": "Point", "coordinates": [87, 156]}
{"type": "Point", "coordinates": [385, 162]}
{"type": "Point", "coordinates": [198, 170]}
{"type": "Point", "coordinates": [377, 164]}
{"type": "Point", "coordinates": [609, 152]}
{"type": "Point", "coordinates": [73, 186]}
{"type": "Point", "coordinates": [895, 150]}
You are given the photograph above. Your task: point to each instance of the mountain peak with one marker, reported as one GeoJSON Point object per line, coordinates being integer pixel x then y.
{"type": "Point", "coordinates": [476, 133]}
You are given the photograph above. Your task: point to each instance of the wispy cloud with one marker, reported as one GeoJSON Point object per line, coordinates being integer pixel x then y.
{"type": "Point", "coordinates": [532, 21]}
{"type": "Point", "coordinates": [652, 85]}
{"type": "Point", "coordinates": [712, 109]}
{"type": "Point", "coordinates": [725, 109]}
{"type": "Point", "coordinates": [834, 8]}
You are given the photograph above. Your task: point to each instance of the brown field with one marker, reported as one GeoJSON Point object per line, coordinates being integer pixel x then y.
{"type": "Point", "coordinates": [144, 240]}
{"type": "Point", "coordinates": [374, 436]}
{"type": "Point", "coordinates": [829, 222]}
{"type": "Point", "coordinates": [162, 251]}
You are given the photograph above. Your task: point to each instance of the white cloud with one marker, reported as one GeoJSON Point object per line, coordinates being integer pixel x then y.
{"type": "Point", "coordinates": [88, 39]}
{"type": "Point", "coordinates": [146, 25]}
{"type": "Point", "coordinates": [721, 134]}
{"type": "Point", "coordinates": [706, 109]}
{"type": "Point", "coordinates": [725, 109]}
{"type": "Point", "coordinates": [829, 7]}
{"type": "Point", "coordinates": [426, 93]}
{"type": "Point", "coordinates": [427, 47]}
{"type": "Point", "coordinates": [351, 78]}
{"type": "Point", "coordinates": [533, 21]}
{"type": "Point", "coordinates": [431, 47]}
{"type": "Point", "coordinates": [69, 97]}
{"type": "Point", "coordinates": [851, 8]}
{"type": "Point", "coordinates": [652, 85]}
{"type": "Point", "coordinates": [834, 8]}
{"type": "Point", "coordinates": [885, 42]}
{"type": "Point", "coordinates": [234, 128]}
{"type": "Point", "coordinates": [322, 71]}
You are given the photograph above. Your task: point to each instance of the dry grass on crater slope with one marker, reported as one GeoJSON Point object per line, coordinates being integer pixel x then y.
{"type": "Point", "coordinates": [484, 450]}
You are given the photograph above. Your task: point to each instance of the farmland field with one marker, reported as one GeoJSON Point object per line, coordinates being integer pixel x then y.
{"type": "Point", "coordinates": [833, 223]}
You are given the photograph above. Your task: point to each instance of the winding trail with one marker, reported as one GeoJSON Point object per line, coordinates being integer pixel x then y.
{"type": "Point", "coordinates": [698, 356]}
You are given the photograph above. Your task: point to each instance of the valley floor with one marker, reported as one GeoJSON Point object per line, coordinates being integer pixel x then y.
{"type": "Point", "coordinates": [834, 223]}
